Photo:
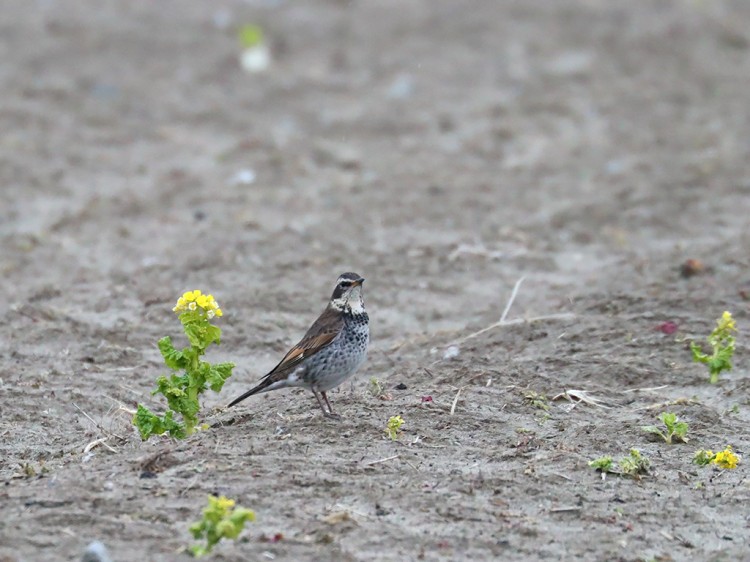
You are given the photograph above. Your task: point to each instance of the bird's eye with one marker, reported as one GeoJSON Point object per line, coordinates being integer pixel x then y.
{"type": "Point", "coordinates": [345, 284]}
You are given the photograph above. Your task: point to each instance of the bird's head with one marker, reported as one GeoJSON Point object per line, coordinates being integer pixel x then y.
{"type": "Point", "coordinates": [347, 296]}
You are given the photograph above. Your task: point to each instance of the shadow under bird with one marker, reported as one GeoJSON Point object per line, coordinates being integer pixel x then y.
{"type": "Point", "coordinates": [330, 352]}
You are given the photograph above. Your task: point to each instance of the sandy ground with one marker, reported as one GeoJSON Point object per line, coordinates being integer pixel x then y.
{"type": "Point", "coordinates": [443, 150]}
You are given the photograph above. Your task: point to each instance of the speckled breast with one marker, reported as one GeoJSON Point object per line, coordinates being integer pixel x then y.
{"type": "Point", "coordinates": [336, 363]}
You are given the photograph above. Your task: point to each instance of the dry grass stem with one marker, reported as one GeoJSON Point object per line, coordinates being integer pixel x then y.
{"type": "Point", "coordinates": [96, 442]}
{"type": "Point", "coordinates": [651, 389]}
{"type": "Point", "coordinates": [370, 463]}
{"type": "Point", "coordinates": [98, 425]}
{"type": "Point", "coordinates": [578, 396]}
{"type": "Point", "coordinates": [455, 401]}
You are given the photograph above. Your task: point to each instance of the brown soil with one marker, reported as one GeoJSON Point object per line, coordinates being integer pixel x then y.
{"type": "Point", "coordinates": [442, 149]}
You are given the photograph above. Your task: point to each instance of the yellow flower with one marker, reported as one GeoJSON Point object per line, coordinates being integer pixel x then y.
{"type": "Point", "coordinates": [192, 300]}
{"type": "Point", "coordinates": [181, 305]}
{"type": "Point", "coordinates": [726, 323]}
{"type": "Point", "coordinates": [191, 296]}
{"type": "Point", "coordinates": [223, 503]}
{"type": "Point", "coordinates": [726, 458]}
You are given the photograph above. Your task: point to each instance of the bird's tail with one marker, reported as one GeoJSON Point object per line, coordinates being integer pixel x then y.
{"type": "Point", "coordinates": [255, 390]}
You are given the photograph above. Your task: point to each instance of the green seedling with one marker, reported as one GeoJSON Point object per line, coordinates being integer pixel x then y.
{"type": "Point", "coordinates": [734, 410]}
{"type": "Point", "coordinates": [674, 429]}
{"type": "Point", "coordinates": [221, 519]}
{"type": "Point", "coordinates": [602, 464]}
{"type": "Point", "coordinates": [633, 465]}
{"type": "Point", "coordinates": [722, 343]}
{"type": "Point", "coordinates": [376, 388]}
{"type": "Point", "coordinates": [190, 376]}
{"type": "Point", "coordinates": [536, 400]}
{"type": "Point", "coordinates": [393, 427]}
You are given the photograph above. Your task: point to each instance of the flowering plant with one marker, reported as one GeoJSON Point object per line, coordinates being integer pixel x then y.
{"type": "Point", "coordinates": [722, 459]}
{"type": "Point", "coordinates": [722, 343]}
{"type": "Point", "coordinates": [195, 311]}
{"type": "Point", "coordinates": [221, 519]}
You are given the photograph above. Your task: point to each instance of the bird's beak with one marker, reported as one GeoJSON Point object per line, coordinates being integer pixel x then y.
{"type": "Point", "coordinates": [358, 282]}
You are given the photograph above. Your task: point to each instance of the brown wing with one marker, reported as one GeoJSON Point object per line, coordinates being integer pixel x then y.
{"type": "Point", "coordinates": [319, 336]}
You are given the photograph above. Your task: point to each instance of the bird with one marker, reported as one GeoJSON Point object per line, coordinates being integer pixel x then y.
{"type": "Point", "coordinates": [330, 352]}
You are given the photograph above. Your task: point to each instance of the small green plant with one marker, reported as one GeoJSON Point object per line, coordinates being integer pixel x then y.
{"type": "Point", "coordinates": [722, 459]}
{"type": "Point", "coordinates": [195, 311]}
{"type": "Point", "coordinates": [674, 429]}
{"type": "Point", "coordinates": [633, 465]}
{"type": "Point", "coordinates": [722, 342]}
{"type": "Point", "coordinates": [703, 457]}
{"type": "Point", "coordinates": [734, 410]}
{"type": "Point", "coordinates": [221, 519]}
{"type": "Point", "coordinates": [536, 400]}
{"type": "Point", "coordinates": [376, 388]}
{"type": "Point", "coordinates": [393, 427]}
{"type": "Point", "coordinates": [602, 464]}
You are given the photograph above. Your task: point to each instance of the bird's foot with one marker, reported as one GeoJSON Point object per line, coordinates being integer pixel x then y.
{"type": "Point", "coordinates": [333, 416]}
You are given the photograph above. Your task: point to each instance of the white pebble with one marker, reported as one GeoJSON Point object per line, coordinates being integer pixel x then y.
{"type": "Point", "coordinates": [451, 352]}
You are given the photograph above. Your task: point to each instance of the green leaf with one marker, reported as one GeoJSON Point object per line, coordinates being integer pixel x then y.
{"type": "Point", "coordinates": [212, 334]}
{"type": "Point", "coordinates": [655, 430]}
{"type": "Point", "coordinates": [174, 359]}
{"type": "Point", "coordinates": [175, 429]}
{"type": "Point", "coordinates": [698, 355]}
{"type": "Point", "coordinates": [680, 430]}
{"type": "Point", "coordinates": [194, 333]}
{"type": "Point", "coordinates": [240, 515]}
{"type": "Point", "coordinates": [669, 419]}
{"type": "Point", "coordinates": [149, 424]}
{"type": "Point", "coordinates": [218, 374]}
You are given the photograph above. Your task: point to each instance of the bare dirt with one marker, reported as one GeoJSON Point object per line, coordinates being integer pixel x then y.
{"type": "Point", "coordinates": [443, 150]}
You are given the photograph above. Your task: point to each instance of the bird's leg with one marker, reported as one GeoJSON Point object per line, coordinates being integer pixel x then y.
{"type": "Point", "coordinates": [331, 413]}
{"type": "Point", "coordinates": [320, 403]}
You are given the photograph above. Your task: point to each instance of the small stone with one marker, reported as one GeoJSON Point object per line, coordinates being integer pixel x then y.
{"type": "Point", "coordinates": [256, 59]}
{"type": "Point", "coordinates": [246, 176]}
{"type": "Point", "coordinates": [96, 552]}
{"type": "Point", "coordinates": [402, 87]}
{"type": "Point", "coordinates": [451, 352]}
